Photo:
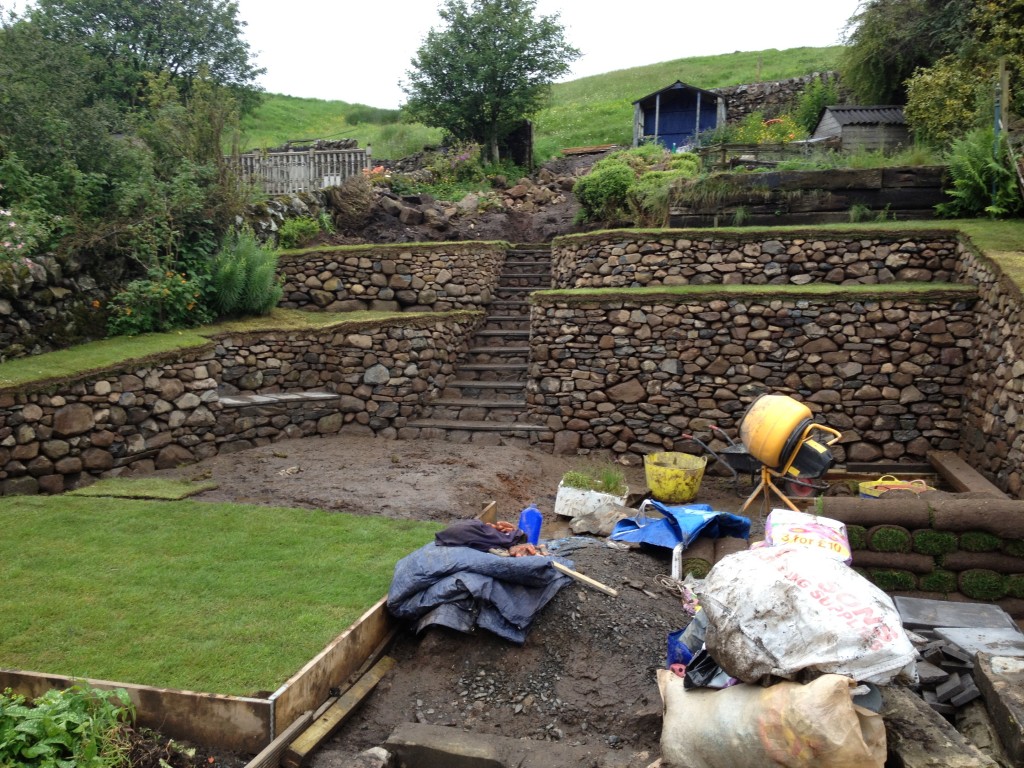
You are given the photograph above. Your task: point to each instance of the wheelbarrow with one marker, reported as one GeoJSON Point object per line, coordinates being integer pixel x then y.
{"type": "Point", "coordinates": [734, 458]}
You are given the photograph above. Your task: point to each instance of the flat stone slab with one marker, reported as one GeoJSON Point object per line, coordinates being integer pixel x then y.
{"type": "Point", "coordinates": [920, 613]}
{"type": "Point", "coordinates": [921, 737]}
{"type": "Point", "coordinates": [434, 746]}
{"type": "Point", "coordinates": [995, 641]}
{"type": "Point", "coordinates": [1001, 681]}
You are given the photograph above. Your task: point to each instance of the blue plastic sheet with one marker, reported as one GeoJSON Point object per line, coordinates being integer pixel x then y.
{"type": "Point", "coordinates": [680, 525]}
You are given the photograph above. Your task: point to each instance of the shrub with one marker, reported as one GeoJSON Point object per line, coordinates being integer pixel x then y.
{"type": "Point", "coordinates": [161, 301]}
{"type": "Point", "coordinates": [298, 231]}
{"type": "Point", "coordinates": [755, 129]}
{"type": "Point", "coordinates": [818, 95]}
{"type": "Point", "coordinates": [944, 98]}
{"type": "Point", "coordinates": [984, 182]}
{"type": "Point", "coordinates": [244, 277]}
{"type": "Point", "coordinates": [78, 727]}
{"type": "Point", "coordinates": [602, 192]}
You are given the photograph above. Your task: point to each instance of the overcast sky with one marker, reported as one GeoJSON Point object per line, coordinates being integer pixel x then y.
{"type": "Point", "coordinates": [359, 51]}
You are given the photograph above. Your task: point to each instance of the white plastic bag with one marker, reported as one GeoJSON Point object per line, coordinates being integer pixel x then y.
{"type": "Point", "coordinates": [780, 611]}
{"type": "Point", "coordinates": [821, 534]}
{"type": "Point", "coordinates": [816, 725]}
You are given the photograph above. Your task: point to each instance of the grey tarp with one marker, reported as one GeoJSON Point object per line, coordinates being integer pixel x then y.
{"type": "Point", "coordinates": [462, 588]}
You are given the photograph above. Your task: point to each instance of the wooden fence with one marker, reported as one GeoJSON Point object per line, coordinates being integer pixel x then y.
{"type": "Point", "coordinates": [302, 171]}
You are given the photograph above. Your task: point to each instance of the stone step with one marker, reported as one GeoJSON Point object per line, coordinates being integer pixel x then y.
{"type": "Point", "coordinates": [506, 349]}
{"type": "Point", "coordinates": [502, 333]}
{"type": "Point", "coordinates": [495, 367]}
{"type": "Point", "coordinates": [489, 385]}
{"type": "Point", "coordinates": [472, 402]}
{"type": "Point", "coordinates": [476, 426]}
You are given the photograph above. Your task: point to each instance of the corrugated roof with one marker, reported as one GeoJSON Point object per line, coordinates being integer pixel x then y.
{"type": "Point", "coordinates": [876, 115]}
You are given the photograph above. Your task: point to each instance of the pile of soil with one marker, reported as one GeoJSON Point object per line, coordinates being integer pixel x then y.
{"type": "Point", "coordinates": [586, 672]}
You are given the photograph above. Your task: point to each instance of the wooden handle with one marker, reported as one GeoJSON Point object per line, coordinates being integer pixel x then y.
{"type": "Point", "coordinates": [584, 579]}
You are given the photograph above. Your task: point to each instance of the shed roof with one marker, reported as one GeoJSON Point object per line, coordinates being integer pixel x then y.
{"type": "Point", "coordinates": [680, 85]}
{"type": "Point", "coordinates": [874, 115]}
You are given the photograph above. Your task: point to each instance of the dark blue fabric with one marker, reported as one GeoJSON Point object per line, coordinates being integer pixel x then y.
{"type": "Point", "coordinates": [680, 525]}
{"type": "Point", "coordinates": [462, 588]}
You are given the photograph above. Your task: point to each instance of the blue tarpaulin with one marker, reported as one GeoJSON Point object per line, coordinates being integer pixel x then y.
{"type": "Point", "coordinates": [680, 525]}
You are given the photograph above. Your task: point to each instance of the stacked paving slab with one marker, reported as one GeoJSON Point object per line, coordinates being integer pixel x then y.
{"type": "Point", "coordinates": [485, 402]}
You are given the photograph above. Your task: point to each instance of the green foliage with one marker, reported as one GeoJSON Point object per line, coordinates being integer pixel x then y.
{"type": "Point", "coordinates": [982, 584]}
{"type": "Point", "coordinates": [162, 301]}
{"type": "Point", "coordinates": [605, 479]}
{"type": "Point", "coordinates": [244, 277]}
{"type": "Point", "coordinates": [487, 69]}
{"type": "Point", "coordinates": [944, 100]}
{"type": "Point", "coordinates": [979, 541]}
{"type": "Point", "coordinates": [602, 192]}
{"type": "Point", "coordinates": [185, 39]}
{"type": "Point", "coordinates": [857, 536]}
{"type": "Point", "coordinates": [888, 538]}
{"type": "Point", "coordinates": [756, 129]}
{"type": "Point", "coordinates": [297, 231]}
{"type": "Point", "coordinates": [456, 165]}
{"type": "Point", "coordinates": [79, 727]}
{"type": "Point", "coordinates": [984, 183]}
{"type": "Point", "coordinates": [934, 543]}
{"type": "Point", "coordinates": [939, 581]}
{"type": "Point", "coordinates": [887, 40]}
{"type": "Point", "coordinates": [892, 579]}
{"type": "Point", "coordinates": [819, 94]}
{"type": "Point", "coordinates": [649, 196]}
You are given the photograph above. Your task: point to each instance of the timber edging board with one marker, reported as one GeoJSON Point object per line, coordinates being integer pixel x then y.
{"type": "Point", "coordinates": [234, 723]}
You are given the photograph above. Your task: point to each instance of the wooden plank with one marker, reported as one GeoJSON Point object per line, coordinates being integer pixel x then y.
{"type": "Point", "coordinates": [330, 668]}
{"type": "Point", "coordinates": [227, 722]}
{"type": "Point", "coordinates": [961, 476]}
{"type": "Point", "coordinates": [333, 718]}
{"type": "Point", "coordinates": [490, 513]}
{"type": "Point", "coordinates": [270, 757]}
{"type": "Point", "coordinates": [584, 579]}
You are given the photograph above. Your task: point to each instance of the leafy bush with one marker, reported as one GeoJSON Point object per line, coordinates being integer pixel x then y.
{"type": "Point", "coordinates": [944, 98]}
{"type": "Point", "coordinates": [244, 277]}
{"type": "Point", "coordinates": [162, 301]}
{"type": "Point", "coordinates": [460, 163]}
{"type": "Point", "coordinates": [755, 129]}
{"type": "Point", "coordinates": [649, 196]}
{"type": "Point", "coordinates": [297, 231]}
{"type": "Point", "coordinates": [818, 95]}
{"type": "Point", "coordinates": [984, 182]}
{"type": "Point", "coordinates": [602, 192]}
{"type": "Point", "coordinates": [76, 728]}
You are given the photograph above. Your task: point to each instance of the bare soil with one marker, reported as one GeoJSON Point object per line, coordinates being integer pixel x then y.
{"type": "Point", "coordinates": [586, 672]}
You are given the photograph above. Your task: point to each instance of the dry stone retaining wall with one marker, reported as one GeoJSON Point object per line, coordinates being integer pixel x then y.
{"type": "Point", "coordinates": [624, 259]}
{"type": "Point", "coordinates": [635, 375]}
{"type": "Point", "coordinates": [410, 277]}
{"type": "Point", "coordinates": [239, 392]}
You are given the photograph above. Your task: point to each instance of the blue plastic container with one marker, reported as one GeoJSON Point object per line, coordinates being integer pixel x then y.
{"type": "Point", "coordinates": [530, 521]}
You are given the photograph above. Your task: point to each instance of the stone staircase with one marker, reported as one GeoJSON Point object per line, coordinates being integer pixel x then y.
{"type": "Point", "coordinates": [486, 400]}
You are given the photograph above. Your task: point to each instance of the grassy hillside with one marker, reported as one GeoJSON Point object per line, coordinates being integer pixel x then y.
{"type": "Point", "coordinates": [591, 110]}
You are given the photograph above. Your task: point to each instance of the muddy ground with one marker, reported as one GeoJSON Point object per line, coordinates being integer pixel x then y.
{"type": "Point", "coordinates": [586, 672]}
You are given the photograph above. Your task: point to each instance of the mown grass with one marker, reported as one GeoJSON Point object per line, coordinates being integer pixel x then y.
{"type": "Point", "coordinates": [105, 354]}
{"type": "Point", "coordinates": [220, 598]}
{"type": "Point", "coordinates": [591, 110]}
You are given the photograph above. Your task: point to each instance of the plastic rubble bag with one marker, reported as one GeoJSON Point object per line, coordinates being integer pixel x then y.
{"type": "Point", "coordinates": [816, 725]}
{"type": "Point", "coordinates": [821, 534]}
{"type": "Point", "coordinates": [784, 612]}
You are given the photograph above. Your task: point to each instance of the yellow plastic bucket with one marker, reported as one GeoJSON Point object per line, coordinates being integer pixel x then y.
{"type": "Point", "coordinates": [674, 478]}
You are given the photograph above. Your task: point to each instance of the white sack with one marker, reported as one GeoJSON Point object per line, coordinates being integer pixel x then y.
{"type": "Point", "coordinates": [779, 611]}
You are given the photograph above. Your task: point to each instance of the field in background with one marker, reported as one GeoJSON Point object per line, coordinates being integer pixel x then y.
{"type": "Point", "coordinates": [591, 110]}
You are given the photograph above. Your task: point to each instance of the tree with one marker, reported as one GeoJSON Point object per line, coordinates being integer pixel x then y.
{"type": "Point", "coordinates": [491, 66]}
{"type": "Point", "coordinates": [887, 40]}
{"type": "Point", "coordinates": [136, 38]}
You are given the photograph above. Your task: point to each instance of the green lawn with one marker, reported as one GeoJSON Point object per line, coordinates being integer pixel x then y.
{"type": "Point", "coordinates": [219, 598]}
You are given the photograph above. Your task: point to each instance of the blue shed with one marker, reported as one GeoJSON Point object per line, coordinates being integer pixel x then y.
{"type": "Point", "coordinates": [675, 115]}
